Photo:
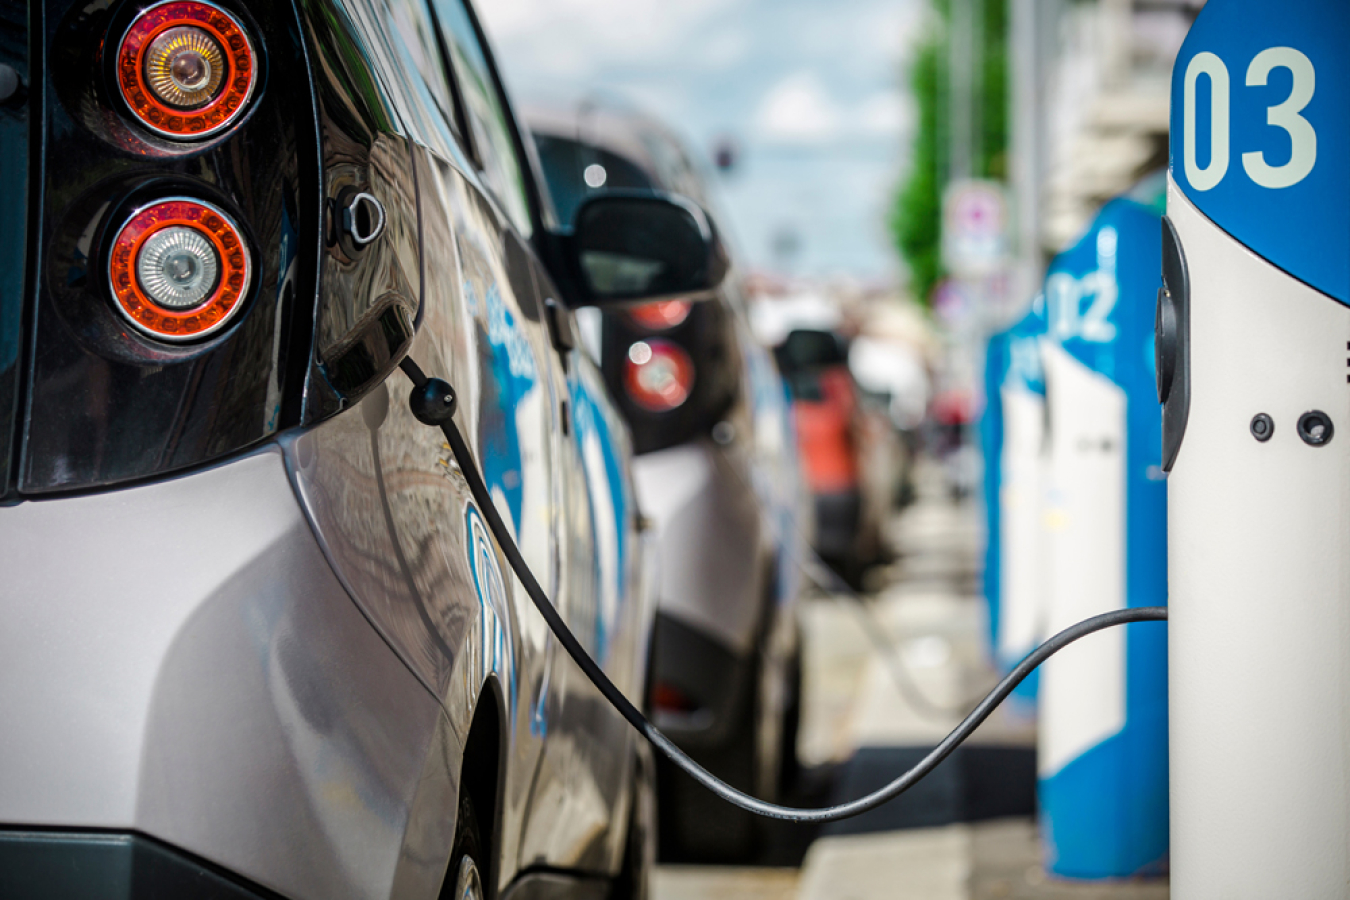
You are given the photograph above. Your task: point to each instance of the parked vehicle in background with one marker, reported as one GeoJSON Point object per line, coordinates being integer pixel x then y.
{"type": "Point", "coordinates": [717, 477]}
{"type": "Point", "coordinates": [852, 453]}
{"type": "Point", "coordinates": [891, 374]}
{"type": "Point", "coordinates": [259, 641]}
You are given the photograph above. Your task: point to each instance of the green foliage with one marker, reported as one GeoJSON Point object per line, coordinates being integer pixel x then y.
{"type": "Point", "coordinates": [916, 215]}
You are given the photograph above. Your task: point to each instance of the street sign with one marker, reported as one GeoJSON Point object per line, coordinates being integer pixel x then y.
{"type": "Point", "coordinates": [974, 228]}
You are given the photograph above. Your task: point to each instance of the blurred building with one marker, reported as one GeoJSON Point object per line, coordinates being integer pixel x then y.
{"type": "Point", "coordinates": [1090, 82]}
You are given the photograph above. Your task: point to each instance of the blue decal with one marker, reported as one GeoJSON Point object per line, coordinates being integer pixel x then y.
{"type": "Point", "coordinates": [1105, 812]}
{"type": "Point", "coordinates": [1261, 131]}
{"type": "Point", "coordinates": [607, 491]}
{"type": "Point", "coordinates": [511, 376]}
{"type": "Point", "coordinates": [495, 648]}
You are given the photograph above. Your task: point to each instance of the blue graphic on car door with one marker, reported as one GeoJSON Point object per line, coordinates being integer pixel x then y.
{"type": "Point", "coordinates": [597, 437]}
{"type": "Point", "coordinates": [513, 376]}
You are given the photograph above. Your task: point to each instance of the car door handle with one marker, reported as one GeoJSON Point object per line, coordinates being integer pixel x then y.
{"type": "Point", "coordinates": [361, 219]}
{"type": "Point", "coordinates": [559, 325]}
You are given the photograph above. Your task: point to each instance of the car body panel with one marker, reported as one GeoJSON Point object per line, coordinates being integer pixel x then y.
{"type": "Point", "coordinates": [275, 663]}
{"type": "Point", "coordinates": [178, 660]}
{"type": "Point", "coordinates": [568, 501]}
{"type": "Point", "coordinates": [709, 524]}
{"type": "Point", "coordinates": [719, 486]}
{"type": "Point", "coordinates": [14, 223]}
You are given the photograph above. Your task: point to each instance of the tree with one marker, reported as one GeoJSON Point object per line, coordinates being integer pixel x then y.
{"type": "Point", "coordinates": [916, 215]}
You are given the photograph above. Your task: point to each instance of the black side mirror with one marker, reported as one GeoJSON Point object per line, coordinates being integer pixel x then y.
{"type": "Point", "coordinates": [637, 248]}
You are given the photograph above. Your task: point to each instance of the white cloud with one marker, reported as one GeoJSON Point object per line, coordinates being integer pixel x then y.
{"type": "Point", "coordinates": [724, 50]}
{"type": "Point", "coordinates": [575, 37]}
{"type": "Point", "coordinates": [885, 114]}
{"type": "Point", "coordinates": [798, 110]}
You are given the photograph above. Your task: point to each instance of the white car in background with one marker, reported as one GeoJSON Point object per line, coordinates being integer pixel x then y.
{"type": "Point", "coordinates": [718, 481]}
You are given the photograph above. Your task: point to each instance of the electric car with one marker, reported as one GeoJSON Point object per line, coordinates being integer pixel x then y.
{"type": "Point", "coordinates": [851, 451]}
{"type": "Point", "coordinates": [716, 475]}
{"type": "Point", "coordinates": [259, 641]}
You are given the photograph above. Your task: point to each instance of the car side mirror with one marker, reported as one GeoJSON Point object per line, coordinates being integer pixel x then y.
{"type": "Point", "coordinates": [636, 248]}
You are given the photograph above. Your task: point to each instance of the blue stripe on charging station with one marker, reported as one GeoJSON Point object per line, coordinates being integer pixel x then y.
{"type": "Point", "coordinates": [1105, 813]}
{"type": "Point", "coordinates": [997, 360]}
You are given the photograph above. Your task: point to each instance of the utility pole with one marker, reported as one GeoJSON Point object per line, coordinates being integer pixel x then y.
{"type": "Point", "coordinates": [1026, 85]}
{"type": "Point", "coordinates": [962, 55]}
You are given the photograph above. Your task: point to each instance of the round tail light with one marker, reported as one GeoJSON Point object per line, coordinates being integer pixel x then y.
{"type": "Point", "coordinates": [186, 69]}
{"type": "Point", "coordinates": [179, 269]}
{"type": "Point", "coordinates": [658, 375]}
{"type": "Point", "coordinates": [660, 315]}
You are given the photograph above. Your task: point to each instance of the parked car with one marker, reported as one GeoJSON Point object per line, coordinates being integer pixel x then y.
{"type": "Point", "coordinates": [852, 453]}
{"type": "Point", "coordinates": [716, 475]}
{"type": "Point", "coordinates": [258, 641]}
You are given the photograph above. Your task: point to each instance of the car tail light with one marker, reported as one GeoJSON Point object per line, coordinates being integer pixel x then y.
{"type": "Point", "coordinates": [660, 315]}
{"type": "Point", "coordinates": [179, 269]}
{"type": "Point", "coordinates": [186, 69]}
{"type": "Point", "coordinates": [658, 375]}
{"type": "Point", "coordinates": [666, 697]}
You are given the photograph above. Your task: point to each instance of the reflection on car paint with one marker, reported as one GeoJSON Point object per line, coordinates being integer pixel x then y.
{"type": "Point", "coordinates": [608, 496]}
{"type": "Point", "coordinates": [498, 654]}
{"type": "Point", "coordinates": [512, 379]}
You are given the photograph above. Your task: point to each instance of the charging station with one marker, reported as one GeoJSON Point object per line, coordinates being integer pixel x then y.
{"type": "Point", "coordinates": [992, 436]}
{"type": "Point", "coordinates": [1253, 344]}
{"type": "Point", "coordinates": [1013, 436]}
{"type": "Point", "coordinates": [1103, 703]}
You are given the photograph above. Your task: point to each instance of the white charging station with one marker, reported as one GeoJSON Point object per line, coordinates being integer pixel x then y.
{"type": "Point", "coordinates": [1253, 346]}
{"type": "Point", "coordinates": [1022, 466]}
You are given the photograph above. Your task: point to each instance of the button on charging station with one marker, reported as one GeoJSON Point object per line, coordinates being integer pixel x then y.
{"type": "Point", "coordinates": [1315, 428]}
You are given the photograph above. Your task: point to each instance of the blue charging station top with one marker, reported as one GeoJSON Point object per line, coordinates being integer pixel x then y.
{"type": "Point", "coordinates": [1024, 349]}
{"type": "Point", "coordinates": [1100, 296]}
{"type": "Point", "coordinates": [1261, 131]}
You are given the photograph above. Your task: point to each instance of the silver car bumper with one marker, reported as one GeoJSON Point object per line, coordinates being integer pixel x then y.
{"type": "Point", "coordinates": [178, 660]}
{"type": "Point", "coordinates": [710, 541]}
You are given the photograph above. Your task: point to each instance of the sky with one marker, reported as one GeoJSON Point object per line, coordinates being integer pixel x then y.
{"type": "Point", "coordinates": [810, 90]}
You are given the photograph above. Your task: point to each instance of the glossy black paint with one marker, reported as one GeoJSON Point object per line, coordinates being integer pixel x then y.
{"type": "Point", "coordinates": [15, 138]}
{"type": "Point", "coordinates": [107, 405]}
{"type": "Point", "coordinates": [363, 295]}
{"type": "Point", "coordinates": [666, 238]}
{"type": "Point", "coordinates": [709, 338]}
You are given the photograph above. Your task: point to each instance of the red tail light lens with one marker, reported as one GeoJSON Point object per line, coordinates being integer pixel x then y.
{"type": "Point", "coordinates": [186, 69]}
{"type": "Point", "coordinates": [660, 315]}
{"type": "Point", "coordinates": [658, 375]}
{"type": "Point", "coordinates": [179, 269]}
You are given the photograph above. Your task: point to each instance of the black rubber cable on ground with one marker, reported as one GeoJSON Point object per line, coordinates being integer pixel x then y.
{"type": "Point", "coordinates": [882, 640]}
{"type": "Point", "coordinates": [433, 403]}
{"type": "Point", "coordinates": [830, 581]}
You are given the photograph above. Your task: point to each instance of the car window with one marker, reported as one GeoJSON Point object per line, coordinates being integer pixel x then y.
{"type": "Point", "coordinates": [492, 132]}
{"type": "Point", "coordinates": [574, 171]}
{"type": "Point", "coordinates": [413, 24]}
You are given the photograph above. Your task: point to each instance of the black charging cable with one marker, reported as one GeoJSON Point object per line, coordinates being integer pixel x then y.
{"type": "Point", "coordinates": [879, 634]}
{"type": "Point", "coordinates": [433, 403]}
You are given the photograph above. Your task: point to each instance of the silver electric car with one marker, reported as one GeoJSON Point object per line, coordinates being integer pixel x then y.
{"type": "Point", "coordinates": [258, 640]}
{"type": "Point", "coordinates": [717, 475]}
